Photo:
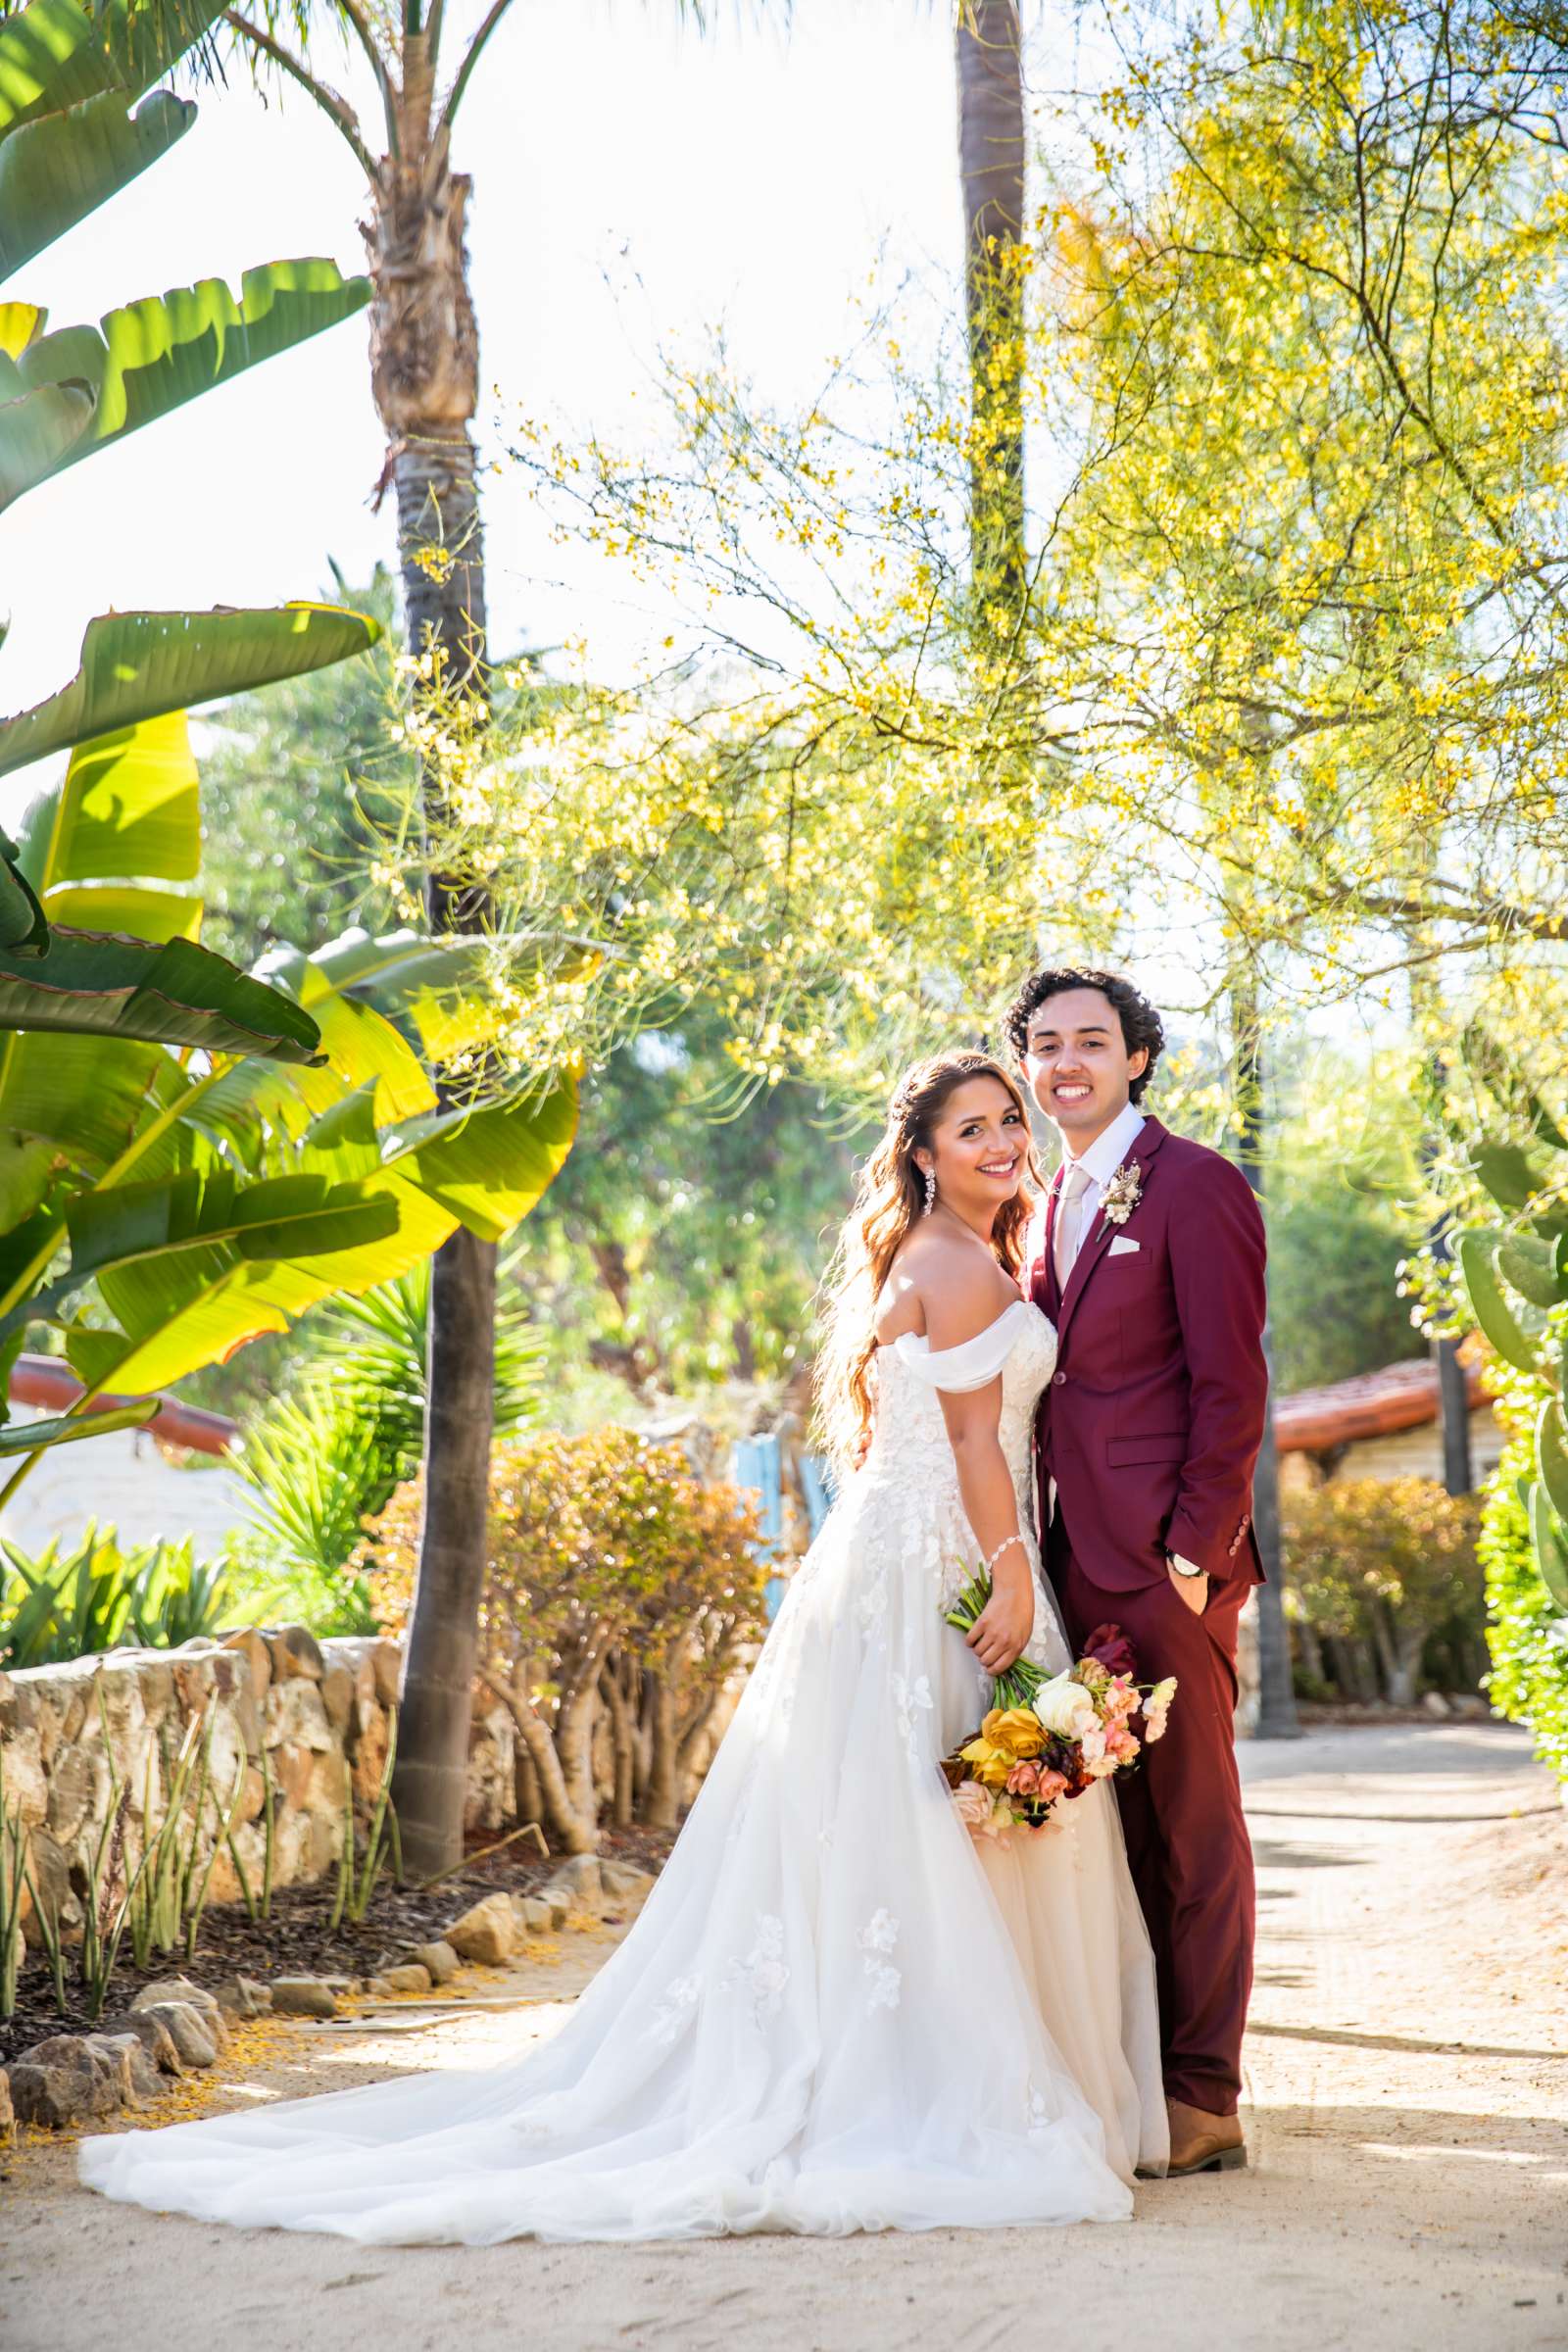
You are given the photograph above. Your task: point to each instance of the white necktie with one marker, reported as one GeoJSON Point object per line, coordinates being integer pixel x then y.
{"type": "Point", "coordinates": [1070, 1219]}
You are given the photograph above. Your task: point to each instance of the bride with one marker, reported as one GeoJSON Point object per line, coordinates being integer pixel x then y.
{"type": "Point", "coordinates": [836, 2012]}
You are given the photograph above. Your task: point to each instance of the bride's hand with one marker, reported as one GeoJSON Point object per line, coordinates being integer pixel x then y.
{"type": "Point", "coordinates": [1003, 1625]}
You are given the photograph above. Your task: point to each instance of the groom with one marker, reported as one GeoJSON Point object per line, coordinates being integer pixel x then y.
{"type": "Point", "coordinates": [1151, 1269]}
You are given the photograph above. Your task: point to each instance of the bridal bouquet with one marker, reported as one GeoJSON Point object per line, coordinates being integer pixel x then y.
{"type": "Point", "coordinates": [1050, 1737]}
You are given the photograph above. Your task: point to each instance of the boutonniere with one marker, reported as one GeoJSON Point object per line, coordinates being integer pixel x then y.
{"type": "Point", "coordinates": [1122, 1193]}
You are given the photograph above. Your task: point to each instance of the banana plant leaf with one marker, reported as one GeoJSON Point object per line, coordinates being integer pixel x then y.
{"type": "Point", "coordinates": [39, 430]}
{"type": "Point", "coordinates": [63, 1429]}
{"type": "Point", "coordinates": [57, 168]}
{"type": "Point", "coordinates": [143, 362]}
{"type": "Point", "coordinates": [442, 987]}
{"type": "Point", "coordinates": [192, 1267]}
{"type": "Point", "coordinates": [73, 1102]}
{"type": "Point", "coordinates": [56, 54]}
{"type": "Point", "coordinates": [20, 323]}
{"type": "Point", "coordinates": [171, 993]}
{"type": "Point", "coordinates": [492, 1165]}
{"type": "Point", "coordinates": [139, 666]}
{"type": "Point", "coordinates": [1509, 1334]}
{"type": "Point", "coordinates": [178, 1308]}
{"type": "Point", "coordinates": [23, 928]}
{"type": "Point", "coordinates": [130, 803]}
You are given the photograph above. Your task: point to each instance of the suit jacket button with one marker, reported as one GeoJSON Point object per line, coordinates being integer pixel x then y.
{"type": "Point", "coordinates": [1058, 1380]}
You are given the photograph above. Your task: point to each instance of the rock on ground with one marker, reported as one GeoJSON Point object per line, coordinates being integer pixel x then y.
{"type": "Point", "coordinates": [303, 1996]}
{"type": "Point", "coordinates": [488, 1931]}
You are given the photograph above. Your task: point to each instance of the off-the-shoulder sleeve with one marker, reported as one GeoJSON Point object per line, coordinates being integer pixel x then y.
{"type": "Point", "coordinates": [971, 1365]}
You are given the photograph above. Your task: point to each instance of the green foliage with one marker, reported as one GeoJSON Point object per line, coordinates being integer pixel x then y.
{"type": "Point", "coordinates": [297, 784]}
{"type": "Point", "coordinates": [1517, 1280]}
{"type": "Point", "coordinates": [324, 1459]}
{"type": "Point", "coordinates": [182, 1210]}
{"type": "Point", "coordinates": [73, 1602]}
{"type": "Point", "coordinates": [1391, 1563]}
{"type": "Point", "coordinates": [1334, 1268]}
{"type": "Point", "coordinates": [1528, 1629]}
{"type": "Point", "coordinates": [683, 1243]}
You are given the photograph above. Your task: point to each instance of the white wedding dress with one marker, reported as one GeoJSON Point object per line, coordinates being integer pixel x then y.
{"type": "Point", "coordinates": [835, 2012]}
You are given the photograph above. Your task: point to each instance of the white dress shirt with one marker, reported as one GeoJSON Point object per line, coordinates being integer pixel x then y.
{"type": "Point", "coordinates": [1102, 1158]}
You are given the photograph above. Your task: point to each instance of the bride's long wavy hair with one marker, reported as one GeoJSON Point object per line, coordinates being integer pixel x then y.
{"type": "Point", "coordinates": [890, 1198]}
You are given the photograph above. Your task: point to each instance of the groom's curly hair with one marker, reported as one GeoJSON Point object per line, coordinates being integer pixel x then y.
{"type": "Point", "coordinates": [1141, 1025]}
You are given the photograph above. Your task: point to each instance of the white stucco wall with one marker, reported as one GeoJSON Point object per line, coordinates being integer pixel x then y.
{"type": "Point", "coordinates": [125, 1480]}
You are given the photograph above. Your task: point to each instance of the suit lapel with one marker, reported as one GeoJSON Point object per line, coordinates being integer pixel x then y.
{"type": "Point", "coordinates": [1097, 1239]}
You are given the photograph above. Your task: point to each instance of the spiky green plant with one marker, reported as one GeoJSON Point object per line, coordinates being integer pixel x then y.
{"type": "Point", "coordinates": [1516, 1275]}
{"type": "Point", "coordinates": [56, 1605]}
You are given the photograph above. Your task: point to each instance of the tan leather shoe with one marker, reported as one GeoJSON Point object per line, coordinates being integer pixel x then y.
{"type": "Point", "coordinates": [1201, 2142]}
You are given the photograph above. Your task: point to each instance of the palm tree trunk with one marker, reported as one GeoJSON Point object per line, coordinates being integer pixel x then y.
{"type": "Point", "coordinates": [991, 163]}
{"type": "Point", "coordinates": [1276, 1712]}
{"type": "Point", "coordinates": [424, 373]}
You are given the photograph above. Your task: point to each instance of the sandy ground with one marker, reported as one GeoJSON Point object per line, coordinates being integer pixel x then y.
{"type": "Point", "coordinates": [1408, 2116]}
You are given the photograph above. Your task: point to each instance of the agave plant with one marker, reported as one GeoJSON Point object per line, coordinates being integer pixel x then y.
{"type": "Point", "coordinates": [59, 1604]}
{"type": "Point", "coordinates": [1516, 1274]}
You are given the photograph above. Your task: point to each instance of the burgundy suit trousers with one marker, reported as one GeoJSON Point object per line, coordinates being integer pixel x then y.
{"type": "Point", "coordinates": [1181, 1813]}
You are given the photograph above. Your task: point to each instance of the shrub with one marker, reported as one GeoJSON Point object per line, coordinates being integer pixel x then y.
{"type": "Point", "coordinates": [618, 1584]}
{"type": "Point", "coordinates": [1527, 1633]}
{"type": "Point", "coordinates": [1378, 1569]}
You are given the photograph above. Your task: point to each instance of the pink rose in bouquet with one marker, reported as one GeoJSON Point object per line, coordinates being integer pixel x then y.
{"type": "Point", "coordinates": [975, 1806]}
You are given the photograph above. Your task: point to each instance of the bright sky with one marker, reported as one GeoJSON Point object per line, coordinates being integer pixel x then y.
{"type": "Point", "coordinates": [752, 176]}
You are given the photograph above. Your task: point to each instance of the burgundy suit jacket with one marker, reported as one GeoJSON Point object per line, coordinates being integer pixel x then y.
{"type": "Point", "coordinates": [1152, 1424]}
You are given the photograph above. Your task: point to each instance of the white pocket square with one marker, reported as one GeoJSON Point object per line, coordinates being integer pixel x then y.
{"type": "Point", "coordinates": [1121, 1247]}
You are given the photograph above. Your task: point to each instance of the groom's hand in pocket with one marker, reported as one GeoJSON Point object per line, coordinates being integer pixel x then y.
{"type": "Point", "coordinates": [1194, 1590]}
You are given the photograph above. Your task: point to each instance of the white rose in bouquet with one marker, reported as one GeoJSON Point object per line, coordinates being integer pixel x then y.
{"type": "Point", "coordinates": [1064, 1707]}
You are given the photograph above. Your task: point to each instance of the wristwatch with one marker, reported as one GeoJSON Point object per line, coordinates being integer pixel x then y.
{"type": "Point", "coordinates": [1179, 1567]}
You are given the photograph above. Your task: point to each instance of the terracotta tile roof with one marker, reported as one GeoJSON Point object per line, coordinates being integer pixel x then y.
{"type": "Point", "coordinates": [1374, 1404]}
{"type": "Point", "coordinates": [49, 1381]}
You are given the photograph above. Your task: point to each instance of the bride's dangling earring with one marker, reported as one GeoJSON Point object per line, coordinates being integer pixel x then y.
{"type": "Point", "coordinates": [930, 1176]}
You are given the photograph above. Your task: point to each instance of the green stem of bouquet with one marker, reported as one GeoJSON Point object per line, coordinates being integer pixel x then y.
{"type": "Point", "coordinates": [1023, 1677]}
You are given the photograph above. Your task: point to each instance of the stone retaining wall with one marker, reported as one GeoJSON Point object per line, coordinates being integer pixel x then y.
{"type": "Point", "coordinates": [310, 1706]}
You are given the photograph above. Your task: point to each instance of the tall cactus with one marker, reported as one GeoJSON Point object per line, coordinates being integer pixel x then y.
{"type": "Point", "coordinates": [1516, 1275]}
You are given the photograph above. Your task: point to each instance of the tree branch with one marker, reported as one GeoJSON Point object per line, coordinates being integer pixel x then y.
{"type": "Point", "coordinates": [493, 17]}
{"type": "Point", "coordinates": [365, 34]}
{"type": "Point", "coordinates": [337, 110]}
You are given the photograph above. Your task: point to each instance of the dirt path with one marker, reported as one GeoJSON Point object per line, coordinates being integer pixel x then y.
{"type": "Point", "coordinates": [1408, 2072]}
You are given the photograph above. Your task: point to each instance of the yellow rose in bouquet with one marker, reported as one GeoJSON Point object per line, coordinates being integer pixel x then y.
{"type": "Point", "coordinates": [1017, 1728]}
{"type": "Point", "coordinates": [988, 1763]}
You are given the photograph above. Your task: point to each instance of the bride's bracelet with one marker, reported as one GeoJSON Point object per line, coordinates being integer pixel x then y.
{"type": "Point", "coordinates": [1005, 1544]}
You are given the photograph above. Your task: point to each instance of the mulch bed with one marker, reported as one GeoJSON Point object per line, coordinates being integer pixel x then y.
{"type": "Point", "coordinates": [297, 1942]}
